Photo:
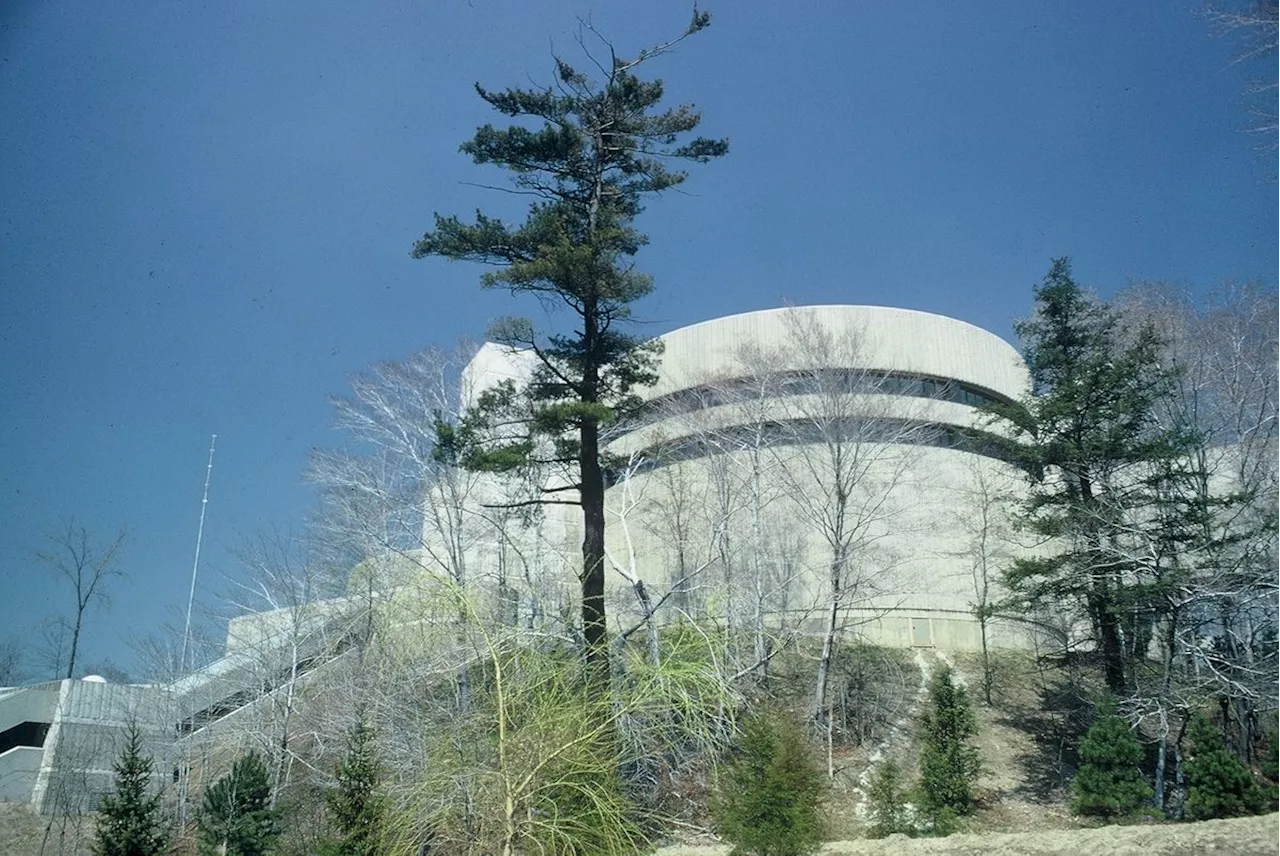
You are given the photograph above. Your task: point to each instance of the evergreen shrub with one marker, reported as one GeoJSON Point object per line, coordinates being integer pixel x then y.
{"type": "Point", "coordinates": [131, 821]}
{"type": "Point", "coordinates": [237, 818]}
{"type": "Point", "coordinates": [1218, 783]}
{"type": "Point", "coordinates": [356, 804]}
{"type": "Point", "coordinates": [1109, 783]}
{"type": "Point", "coordinates": [768, 799]}
{"type": "Point", "coordinates": [887, 802]}
{"type": "Point", "coordinates": [949, 763]}
{"type": "Point", "coordinates": [1269, 766]}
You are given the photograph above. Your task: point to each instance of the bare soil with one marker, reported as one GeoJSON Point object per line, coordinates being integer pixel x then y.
{"type": "Point", "coordinates": [1242, 836]}
{"type": "Point", "coordinates": [25, 833]}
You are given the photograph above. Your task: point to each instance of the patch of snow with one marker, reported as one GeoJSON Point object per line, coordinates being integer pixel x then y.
{"type": "Point", "coordinates": [955, 675]}
{"type": "Point", "coordinates": [898, 734]}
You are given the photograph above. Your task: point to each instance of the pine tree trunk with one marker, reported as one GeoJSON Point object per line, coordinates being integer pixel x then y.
{"type": "Point", "coordinates": [1112, 652]}
{"type": "Point", "coordinates": [592, 494]}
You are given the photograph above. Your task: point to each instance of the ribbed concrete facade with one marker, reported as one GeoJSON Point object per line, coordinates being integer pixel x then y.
{"type": "Point", "coordinates": [782, 445]}
{"type": "Point", "coordinates": [890, 339]}
{"type": "Point", "coordinates": [58, 740]}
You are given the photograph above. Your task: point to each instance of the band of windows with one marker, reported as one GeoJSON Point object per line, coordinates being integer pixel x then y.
{"type": "Point", "coordinates": [826, 381]}
{"type": "Point", "coordinates": [799, 432]}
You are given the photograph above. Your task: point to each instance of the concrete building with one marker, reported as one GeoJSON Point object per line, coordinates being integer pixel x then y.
{"type": "Point", "coordinates": [828, 436]}
{"type": "Point", "coordinates": [779, 447]}
{"type": "Point", "coordinates": [779, 450]}
{"type": "Point", "coordinates": [59, 740]}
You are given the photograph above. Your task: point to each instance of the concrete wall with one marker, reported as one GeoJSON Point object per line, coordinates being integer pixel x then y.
{"type": "Point", "coordinates": [28, 704]}
{"type": "Point", "coordinates": [900, 340]}
{"type": "Point", "coordinates": [87, 721]}
{"type": "Point", "coordinates": [913, 502]}
{"type": "Point", "coordinates": [88, 736]}
{"type": "Point", "coordinates": [18, 769]}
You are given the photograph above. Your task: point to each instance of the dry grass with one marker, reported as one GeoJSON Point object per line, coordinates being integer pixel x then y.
{"type": "Point", "coordinates": [25, 833]}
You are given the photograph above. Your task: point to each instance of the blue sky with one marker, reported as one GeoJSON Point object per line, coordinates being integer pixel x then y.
{"type": "Point", "coordinates": [206, 212]}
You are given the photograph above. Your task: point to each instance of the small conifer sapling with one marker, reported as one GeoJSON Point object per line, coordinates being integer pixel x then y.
{"type": "Point", "coordinates": [767, 802]}
{"type": "Point", "coordinates": [1269, 766]}
{"type": "Point", "coordinates": [1218, 784]}
{"type": "Point", "coordinates": [949, 763]}
{"type": "Point", "coordinates": [887, 800]}
{"type": "Point", "coordinates": [131, 821]}
{"type": "Point", "coordinates": [237, 818]}
{"type": "Point", "coordinates": [1109, 783]}
{"type": "Point", "coordinates": [356, 804]}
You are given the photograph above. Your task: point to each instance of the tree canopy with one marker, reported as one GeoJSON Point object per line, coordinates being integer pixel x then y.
{"type": "Point", "coordinates": [1103, 466]}
{"type": "Point", "coordinates": [131, 821]}
{"type": "Point", "coordinates": [589, 152]}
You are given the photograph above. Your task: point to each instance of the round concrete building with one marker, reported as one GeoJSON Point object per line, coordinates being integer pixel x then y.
{"type": "Point", "coordinates": [802, 462]}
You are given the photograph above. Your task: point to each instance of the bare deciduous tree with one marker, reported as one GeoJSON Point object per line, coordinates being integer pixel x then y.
{"type": "Point", "coordinates": [984, 516]}
{"type": "Point", "coordinates": [710, 499]}
{"type": "Point", "coordinates": [287, 622]}
{"type": "Point", "coordinates": [391, 490]}
{"type": "Point", "coordinates": [13, 667]}
{"type": "Point", "coordinates": [844, 445]}
{"type": "Point", "coordinates": [1217, 639]}
{"type": "Point", "coordinates": [675, 504]}
{"type": "Point", "coordinates": [1254, 26]}
{"type": "Point", "coordinates": [752, 474]}
{"type": "Point", "coordinates": [398, 501]}
{"type": "Point", "coordinates": [73, 555]}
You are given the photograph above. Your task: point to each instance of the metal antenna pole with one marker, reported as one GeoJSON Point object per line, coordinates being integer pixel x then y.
{"type": "Point", "coordinates": [195, 565]}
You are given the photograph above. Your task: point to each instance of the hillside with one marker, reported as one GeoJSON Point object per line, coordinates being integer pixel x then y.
{"type": "Point", "coordinates": [1027, 738]}
{"type": "Point", "coordinates": [1244, 836]}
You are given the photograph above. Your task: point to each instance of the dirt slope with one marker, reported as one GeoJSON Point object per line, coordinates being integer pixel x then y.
{"type": "Point", "coordinates": [1244, 836]}
{"type": "Point", "coordinates": [1026, 744]}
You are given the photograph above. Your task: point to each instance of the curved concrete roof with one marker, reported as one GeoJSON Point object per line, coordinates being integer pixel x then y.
{"type": "Point", "coordinates": [871, 337]}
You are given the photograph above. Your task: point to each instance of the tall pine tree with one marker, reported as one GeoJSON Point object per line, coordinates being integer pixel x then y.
{"type": "Point", "coordinates": [1100, 464]}
{"type": "Point", "coordinates": [589, 152]}
{"type": "Point", "coordinates": [131, 821]}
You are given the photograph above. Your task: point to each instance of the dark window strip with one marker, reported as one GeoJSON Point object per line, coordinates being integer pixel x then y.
{"type": "Point", "coordinates": [820, 381]}
{"type": "Point", "coordinates": [798, 432]}
{"type": "Point", "coordinates": [29, 734]}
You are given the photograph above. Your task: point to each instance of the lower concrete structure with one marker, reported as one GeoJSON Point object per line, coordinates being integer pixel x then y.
{"type": "Point", "coordinates": [59, 740]}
